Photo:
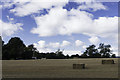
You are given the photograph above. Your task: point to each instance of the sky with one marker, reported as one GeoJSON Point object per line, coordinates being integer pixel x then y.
{"type": "Point", "coordinates": [69, 25]}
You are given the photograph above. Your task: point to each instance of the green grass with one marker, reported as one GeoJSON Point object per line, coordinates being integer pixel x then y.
{"type": "Point", "coordinates": [59, 68]}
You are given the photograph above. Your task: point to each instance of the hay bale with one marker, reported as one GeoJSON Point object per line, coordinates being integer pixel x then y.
{"type": "Point", "coordinates": [108, 62]}
{"type": "Point", "coordinates": [78, 66]}
{"type": "Point", "coordinates": [43, 58]}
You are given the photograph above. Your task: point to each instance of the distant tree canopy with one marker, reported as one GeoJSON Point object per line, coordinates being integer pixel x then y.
{"type": "Point", "coordinates": [103, 51]}
{"type": "Point", "coordinates": [91, 51]}
{"type": "Point", "coordinates": [16, 49]}
{"type": "Point", "coordinates": [13, 49]}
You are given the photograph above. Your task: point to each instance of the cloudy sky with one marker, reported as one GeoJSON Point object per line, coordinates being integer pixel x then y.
{"type": "Point", "coordinates": [65, 24]}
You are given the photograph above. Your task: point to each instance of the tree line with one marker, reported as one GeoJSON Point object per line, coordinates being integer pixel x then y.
{"type": "Point", "coordinates": [16, 49]}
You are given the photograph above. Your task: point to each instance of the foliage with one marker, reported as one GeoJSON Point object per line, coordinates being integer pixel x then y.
{"type": "Point", "coordinates": [105, 50]}
{"type": "Point", "coordinates": [16, 49]}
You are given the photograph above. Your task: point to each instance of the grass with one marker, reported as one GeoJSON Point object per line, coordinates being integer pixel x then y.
{"type": "Point", "coordinates": [59, 68]}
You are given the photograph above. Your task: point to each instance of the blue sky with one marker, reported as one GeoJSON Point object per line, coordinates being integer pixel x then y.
{"type": "Point", "coordinates": [33, 24]}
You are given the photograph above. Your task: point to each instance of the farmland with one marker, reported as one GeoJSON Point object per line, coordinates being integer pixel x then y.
{"type": "Point", "coordinates": [59, 68]}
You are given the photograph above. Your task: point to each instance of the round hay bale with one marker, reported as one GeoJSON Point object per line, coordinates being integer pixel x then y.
{"type": "Point", "coordinates": [108, 62]}
{"type": "Point", "coordinates": [79, 66]}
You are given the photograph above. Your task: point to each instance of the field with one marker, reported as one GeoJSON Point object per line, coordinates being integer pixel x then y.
{"type": "Point", "coordinates": [59, 68]}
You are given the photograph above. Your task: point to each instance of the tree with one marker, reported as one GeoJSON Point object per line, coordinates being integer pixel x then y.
{"type": "Point", "coordinates": [84, 55]}
{"type": "Point", "coordinates": [113, 56]}
{"type": "Point", "coordinates": [2, 43]}
{"type": "Point", "coordinates": [5, 53]}
{"type": "Point", "coordinates": [105, 50]}
{"type": "Point", "coordinates": [75, 56]}
{"type": "Point", "coordinates": [15, 48]}
{"type": "Point", "coordinates": [32, 49]}
{"type": "Point", "coordinates": [67, 56]}
{"type": "Point", "coordinates": [29, 52]}
{"type": "Point", "coordinates": [51, 55]}
{"type": "Point", "coordinates": [59, 54]}
{"type": "Point", "coordinates": [91, 52]}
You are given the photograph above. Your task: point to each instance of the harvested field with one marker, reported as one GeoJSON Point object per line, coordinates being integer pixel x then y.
{"type": "Point", "coordinates": [59, 68]}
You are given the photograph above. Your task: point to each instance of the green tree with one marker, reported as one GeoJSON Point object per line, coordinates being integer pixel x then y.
{"type": "Point", "coordinates": [1, 44]}
{"type": "Point", "coordinates": [59, 54]}
{"type": "Point", "coordinates": [75, 56]}
{"type": "Point", "coordinates": [15, 47]}
{"type": "Point", "coordinates": [67, 56]}
{"type": "Point", "coordinates": [113, 56]}
{"type": "Point", "coordinates": [91, 52]}
{"type": "Point", "coordinates": [29, 52]}
{"type": "Point", "coordinates": [51, 55]}
{"type": "Point", "coordinates": [105, 50]}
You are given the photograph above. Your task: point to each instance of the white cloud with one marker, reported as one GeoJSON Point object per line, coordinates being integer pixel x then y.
{"type": "Point", "coordinates": [94, 6]}
{"type": "Point", "coordinates": [116, 53]}
{"type": "Point", "coordinates": [59, 21]}
{"type": "Point", "coordinates": [79, 43]}
{"type": "Point", "coordinates": [84, 46]}
{"type": "Point", "coordinates": [27, 7]}
{"type": "Point", "coordinates": [81, 1]}
{"type": "Point", "coordinates": [72, 52]}
{"type": "Point", "coordinates": [42, 46]}
{"type": "Point", "coordinates": [65, 43]}
{"type": "Point", "coordinates": [94, 40]}
{"type": "Point", "coordinates": [59, 45]}
{"type": "Point", "coordinates": [49, 24]}
{"type": "Point", "coordinates": [62, 22]}
{"type": "Point", "coordinates": [54, 45]}
{"type": "Point", "coordinates": [0, 6]}
{"type": "Point", "coordinates": [24, 8]}
{"type": "Point", "coordinates": [8, 28]}
{"type": "Point", "coordinates": [9, 18]}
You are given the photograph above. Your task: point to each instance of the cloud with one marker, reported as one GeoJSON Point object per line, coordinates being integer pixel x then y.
{"type": "Point", "coordinates": [10, 19]}
{"type": "Point", "coordinates": [42, 46]}
{"type": "Point", "coordinates": [65, 43]}
{"type": "Point", "coordinates": [59, 21]}
{"type": "Point", "coordinates": [72, 52]}
{"type": "Point", "coordinates": [115, 50]}
{"type": "Point", "coordinates": [92, 6]}
{"type": "Point", "coordinates": [8, 28]}
{"type": "Point", "coordinates": [94, 40]}
{"type": "Point", "coordinates": [82, 1]}
{"type": "Point", "coordinates": [49, 24]}
{"type": "Point", "coordinates": [0, 6]}
{"type": "Point", "coordinates": [24, 8]}
{"type": "Point", "coordinates": [84, 46]}
{"type": "Point", "coordinates": [54, 45]}
{"type": "Point", "coordinates": [79, 43]}
{"type": "Point", "coordinates": [27, 7]}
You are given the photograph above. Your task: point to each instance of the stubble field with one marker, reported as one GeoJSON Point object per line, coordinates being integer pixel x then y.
{"type": "Point", "coordinates": [59, 68]}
